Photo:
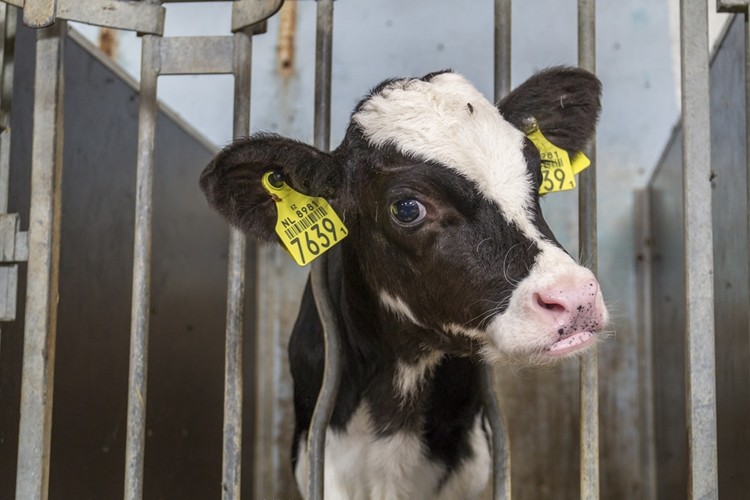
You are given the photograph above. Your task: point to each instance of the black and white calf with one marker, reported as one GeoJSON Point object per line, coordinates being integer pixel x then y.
{"type": "Point", "coordinates": [448, 264]}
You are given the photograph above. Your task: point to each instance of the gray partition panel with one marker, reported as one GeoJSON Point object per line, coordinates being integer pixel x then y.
{"type": "Point", "coordinates": [730, 285]}
{"type": "Point", "coordinates": [184, 408]}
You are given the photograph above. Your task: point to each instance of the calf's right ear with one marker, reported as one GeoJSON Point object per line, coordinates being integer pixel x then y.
{"type": "Point", "coordinates": [232, 182]}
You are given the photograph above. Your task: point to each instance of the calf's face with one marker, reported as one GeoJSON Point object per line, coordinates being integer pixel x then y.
{"type": "Point", "coordinates": [439, 189]}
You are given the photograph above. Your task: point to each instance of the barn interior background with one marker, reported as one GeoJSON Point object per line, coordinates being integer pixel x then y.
{"type": "Point", "coordinates": [638, 62]}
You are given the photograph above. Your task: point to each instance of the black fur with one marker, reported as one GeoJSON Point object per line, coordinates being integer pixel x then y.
{"type": "Point", "coordinates": [564, 101]}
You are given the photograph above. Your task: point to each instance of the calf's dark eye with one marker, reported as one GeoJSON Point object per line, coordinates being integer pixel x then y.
{"type": "Point", "coordinates": [408, 212]}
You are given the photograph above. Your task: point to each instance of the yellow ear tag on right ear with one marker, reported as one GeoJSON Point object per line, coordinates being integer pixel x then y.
{"type": "Point", "coordinates": [557, 171]}
{"type": "Point", "coordinates": [307, 226]}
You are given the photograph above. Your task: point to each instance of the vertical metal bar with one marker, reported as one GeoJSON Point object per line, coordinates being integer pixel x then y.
{"type": "Point", "coordinates": [747, 138]}
{"type": "Point", "coordinates": [501, 458]}
{"type": "Point", "coordinates": [319, 273]}
{"type": "Point", "coordinates": [502, 48]}
{"type": "Point", "coordinates": [233, 380]}
{"type": "Point", "coordinates": [8, 18]}
{"type": "Point", "coordinates": [32, 477]}
{"type": "Point", "coordinates": [643, 236]}
{"type": "Point", "coordinates": [587, 234]}
{"type": "Point", "coordinates": [323, 57]}
{"type": "Point", "coordinates": [139, 327]}
{"type": "Point", "coordinates": [699, 281]}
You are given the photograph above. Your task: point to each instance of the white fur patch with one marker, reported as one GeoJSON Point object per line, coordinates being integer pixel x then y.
{"type": "Point", "coordinates": [359, 465]}
{"type": "Point", "coordinates": [409, 377]}
{"type": "Point", "coordinates": [398, 306]}
{"type": "Point", "coordinates": [432, 120]}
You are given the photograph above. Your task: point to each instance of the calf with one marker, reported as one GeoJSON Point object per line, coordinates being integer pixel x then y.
{"type": "Point", "coordinates": [448, 264]}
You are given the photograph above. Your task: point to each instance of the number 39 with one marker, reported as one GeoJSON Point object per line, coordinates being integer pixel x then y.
{"type": "Point", "coordinates": [548, 183]}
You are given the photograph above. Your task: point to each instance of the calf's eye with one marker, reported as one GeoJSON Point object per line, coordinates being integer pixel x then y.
{"type": "Point", "coordinates": [408, 212]}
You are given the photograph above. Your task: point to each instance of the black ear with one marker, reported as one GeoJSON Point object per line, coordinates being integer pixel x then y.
{"type": "Point", "coordinates": [564, 101]}
{"type": "Point", "coordinates": [232, 182]}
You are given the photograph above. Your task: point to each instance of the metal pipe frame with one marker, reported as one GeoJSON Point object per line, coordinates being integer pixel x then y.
{"type": "Point", "coordinates": [319, 273]}
{"type": "Point", "coordinates": [699, 282]}
{"type": "Point", "coordinates": [233, 376]}
{"type": "Point", "coordinates": [643, 245]}
{"type": "Point", "coordinates": [32, 476]}
{"type": "Point", "coordinates": [140, 313]}
{"type": "Point", "coordinates": [587, 248]}
{"type": "Point", "coordinates": [501, 456]}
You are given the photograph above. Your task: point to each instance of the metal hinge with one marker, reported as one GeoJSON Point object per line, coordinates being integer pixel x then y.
{"type": "Point", "coordinates": [14, 248]}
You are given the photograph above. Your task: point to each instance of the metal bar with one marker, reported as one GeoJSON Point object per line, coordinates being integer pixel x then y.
{"type": "Point", "coordinates": [246, 13]}
{"type": "Point", "coordinates": [8, 18]}
{"type": "Point", "coordinates": [587, 235]}
{"type": "Point", "coordinates": [643, 237]}
{"type": "Point", "coordinates": [331, 378]}
{"type": "Point", "coordinates": [747, 140]}
{"type": "Point", "coordinates": [143, 17]}
{"type": "Point", "coordinates": [501, 480]}
{"type": "Point", "coordinates": [32, 476]}
{"type": "Point", "coordinates": [731, 5]}
{"type": "Point", "coordinates": [323, 54]}
{"type": "Point", "coordinates": [699, 282]}
{"type": "Point", "coordinates": [502, 48]}
{"type": "Point", "coordinates": [39, 13]}
{"type": "Point", "coordinates": [319, 273]}
{"type": "Point", "coordinates": [188, 55]}
{"type": "Point", "coordinates": [137, 377]}
{"type": "Point", "coordinates": [233, 379]}
{"type": "Point", "coordinates": [501, 457]}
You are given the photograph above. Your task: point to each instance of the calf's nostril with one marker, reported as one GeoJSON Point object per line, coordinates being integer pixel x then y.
{"type": "Point", "coordinates": [549, 304]}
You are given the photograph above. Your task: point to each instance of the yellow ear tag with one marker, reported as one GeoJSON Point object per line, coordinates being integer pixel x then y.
{"type": "Point", "coordinates": [307, 226]}
{"type": "Point", "coordinates": [558, 171]}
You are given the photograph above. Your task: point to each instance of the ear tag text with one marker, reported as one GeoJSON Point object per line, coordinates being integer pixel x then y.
{"type": "Point", "coordinates": [558, 168]}
{"type": "Point", "coordinates": [307, 226]}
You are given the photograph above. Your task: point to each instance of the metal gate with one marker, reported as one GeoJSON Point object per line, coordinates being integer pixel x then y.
{"type": "Point", "coordinates": [40, 246]}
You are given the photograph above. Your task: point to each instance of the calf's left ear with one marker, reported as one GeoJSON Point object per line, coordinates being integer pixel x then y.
{"type": "Point", "coordinates": [232, 182]}
{"type": "Point", "coordinates": [564, 101]}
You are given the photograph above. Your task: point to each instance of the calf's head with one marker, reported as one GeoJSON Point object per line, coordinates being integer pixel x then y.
{"type": "Point", "coordinates": [439, 190]}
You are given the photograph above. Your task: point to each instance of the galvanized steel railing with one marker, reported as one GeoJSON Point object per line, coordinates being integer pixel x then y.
{"type": "Point", "coordinates": [232, 55]}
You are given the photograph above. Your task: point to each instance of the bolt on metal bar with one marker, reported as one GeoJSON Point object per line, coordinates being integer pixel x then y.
{"type": "Point", "coordinates": [32, 476]}
{"type": "Point", "coordinates": [501, 457]}
{"type": "Point", "coordinates": [233, 377]}
{"type": "Point", "coordinates": [587, 236]}
{"type": "Point", "coordinates": [699, 281]}
{"type": "Point", "coordinates": [319, 273]}
{"type": "Point", "coordinates": [137, 377]}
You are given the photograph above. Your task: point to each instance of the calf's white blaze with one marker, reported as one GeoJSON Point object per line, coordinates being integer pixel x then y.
{"type": "Point", "coordinates": [433, 120]}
